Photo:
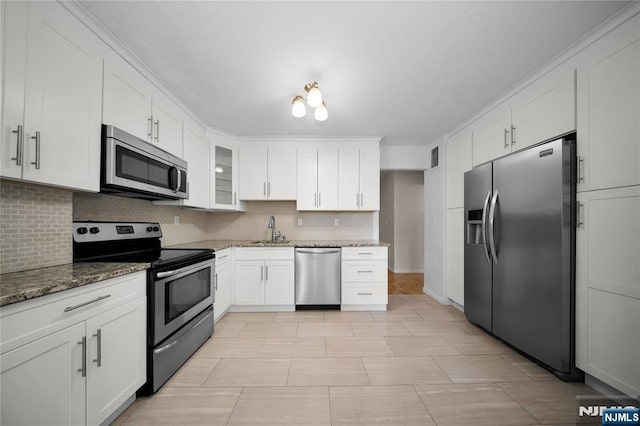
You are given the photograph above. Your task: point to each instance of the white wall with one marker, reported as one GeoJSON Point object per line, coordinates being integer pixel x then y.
{"type": "Point", "coordinates": [387, 207]}
{"type": "Point", "coordinates": [409, 222]}
{"type": "Point", "coordinates": [434, 229]}
{"type": "Point", "coordinates": [408, 157]}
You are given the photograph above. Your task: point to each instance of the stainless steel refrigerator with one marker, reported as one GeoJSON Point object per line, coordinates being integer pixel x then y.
{"type": "Point", "coordinates": [519, 252]}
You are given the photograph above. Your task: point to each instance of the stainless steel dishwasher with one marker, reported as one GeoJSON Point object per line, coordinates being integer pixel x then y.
{"type": "Point", "coordinates": [318, 276]}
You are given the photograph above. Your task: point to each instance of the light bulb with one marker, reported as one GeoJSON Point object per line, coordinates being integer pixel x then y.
{"type": "Point", "coordinates": [219, 169]}
{"type": "Point", "coordinates": [297, 108]}
{"type": "Point", "coordinates": [321, 112]}
{"type": "Point", "coordinates": [314, 97]}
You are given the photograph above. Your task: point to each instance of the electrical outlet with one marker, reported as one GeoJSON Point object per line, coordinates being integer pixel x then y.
{"type": "Point", "coordinates": [299, 221]}
{"type": "Point", "coordinates": [176, 220]}
{"type": "Point", "coordinates": [336, 222]}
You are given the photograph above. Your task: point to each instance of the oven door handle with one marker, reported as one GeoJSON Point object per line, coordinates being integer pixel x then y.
{"type": "Point", "coordinates": [166, 274]}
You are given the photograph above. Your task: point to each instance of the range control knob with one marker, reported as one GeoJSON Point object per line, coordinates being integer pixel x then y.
{"type": "Point", "coordinates": [156, 228]}
{"type": "Point", "coordinates": [149, 228]}
{"type": "Point", "coordinates": [82, 230]}
{"type": "Point", "coordinates": [94, 230]}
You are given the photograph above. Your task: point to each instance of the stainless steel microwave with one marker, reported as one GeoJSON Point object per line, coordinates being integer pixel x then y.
{"type": "Point", "coordinates": [135, 168]}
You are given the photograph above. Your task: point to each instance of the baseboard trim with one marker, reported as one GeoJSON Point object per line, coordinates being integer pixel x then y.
{"type": "Point", "coordinates": [407, 271]}
{"type": "Point", "coordinates": [437, 297]}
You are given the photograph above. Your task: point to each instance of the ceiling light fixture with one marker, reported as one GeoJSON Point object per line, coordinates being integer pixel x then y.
{"type": "Point", "coordinates": [314, 100]}
{"type": "Point", "coordinates": [219, 169]}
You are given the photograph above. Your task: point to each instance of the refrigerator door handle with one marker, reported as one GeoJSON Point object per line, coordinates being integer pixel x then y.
{"type": "Point", "coordinates": [484, 227]}
{"type": "Point", "coordinates": [492, 213]}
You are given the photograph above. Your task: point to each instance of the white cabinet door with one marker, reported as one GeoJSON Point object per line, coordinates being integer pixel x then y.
{"type": "Point", "coordinates": [369, 179]}
{"type": "Point", "coordinates": [328, 185]}
{"type": "Point", "coordinates": [196, 154]}
{"type": "Point", "coordinates": [349, 176]}
{"type": "Point", "coordinates": [14, 62]}
{"type": "Point", "coordinates": [458, 162]}
{"type": "Point", "coordinates": [224, 285]}
{"type": "Point", "coordinates": [167, 124]}
{"type": "Point", "coordinates": [455, 255]}
{"type": "Point", "coordinates": [281, 184]}
{"type": "Point", "coordinates": [545, 109]}
{"type": "Point", "coordinates": [253, 174]}
{"type": "Point", "coordinates": [116, 358]}
{"type": "Point", "coordinates": [43, 383]}
{"type": "Point", "coordinates": [127, 98]}
{"type": "Point", "coordinates": [249, 285]}
{"type": "Point", "coordinates": [279, 282]}
{"type": "Point", "coordinates": [609, 117]}
{"type": "Point", "coordinates": [491, 135]}
{"type": "Point", "coordinates": [608, 287]}
{"type": "Point", "coordinates": [307, 180]}
{"type": "Point", "coordinates": [63, 100]}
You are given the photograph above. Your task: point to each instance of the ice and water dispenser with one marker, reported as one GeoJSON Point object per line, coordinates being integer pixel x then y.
{"type": "Point", "coordinates": [474, 227]}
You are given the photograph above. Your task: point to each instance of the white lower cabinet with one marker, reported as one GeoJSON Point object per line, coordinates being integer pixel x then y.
{"type": "Point", "coordinates": [73, 366]}
{"type": "Point", "coordinates": [608, 287]}
{"type": "Point", "coordinates": [455, 255]}
{"type": "Point", "coordinates": [364, 279]}
{"type": "Point", "coordinates": [264, 277]}
{"type": "Point", "coordinates": [223, 283]}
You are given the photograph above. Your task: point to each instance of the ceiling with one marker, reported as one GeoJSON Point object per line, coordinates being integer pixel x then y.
{"type": "Point", "coordinates": [406, 71]}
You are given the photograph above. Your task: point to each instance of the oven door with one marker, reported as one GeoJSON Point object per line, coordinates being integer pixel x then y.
{"type": "Point", "coordinates": [179, 296]}
{"type": "Point", "coordinates": [133, 164]}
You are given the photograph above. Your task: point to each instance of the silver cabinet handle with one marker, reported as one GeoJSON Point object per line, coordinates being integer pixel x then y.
{"type": "Point", "coordinates": [361, 199]}
{"type": "Point", "coordinates": [166, 274]}
{"type": "Point", "coordinates": [268, 188]}
{"type": "Point", "coordinates": [315, 199]}
{"type": "Point", "coordinates": [157, 130]}
{"type": "Point", "coordinates": [97, 299]}
{"type": "Point", "coordinates": [235, 198]}
{"type": "Point", "coordinates": [364, 252]}
{"type": "Point", "coordinates": [357, 200]}
{"type": "Point", "coordinates": [223, 257]}
{"type": "Point", "coordinates": [262, 273]}
{"type": "Point", "coordinates": [264, 188]}
{"type": "Point", "coordinates": [37, 162]}
{"type": "Point", "coordinates": [98, 359]}
{"type": "Point", "coordinates": [319, 199]}
{"type": "Point", "coordinates": [83, 368]}
{"type": "Point", "coordinates": [492, 212]}
{"type": "Point", "coordinates": [266, 273]}
{"type": "Point", "coordinates": [580, 169]}
{"type": "Point", "coordinates": [365, 294]}
{"type": "Point", "coordinates": [506, 133]}
{"type": "Point", "coordinates": [216, 282]}
{"type": "Point", "coordinates": [19, 142]}
{"type": "Point", "coordinates": [484, 227]}
{"type": "Point", "coordinates": [150, 126]}
{"type": "Point", "coordinates": [513, 135]}
{"type": "Point", "coordinates": [365, 272]}
{"type": "Point", "coordinates": [579, 213]}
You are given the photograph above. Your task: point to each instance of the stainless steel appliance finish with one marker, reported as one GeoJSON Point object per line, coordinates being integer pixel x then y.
{"type": "Point", "coordinates": [135, 168]}
{"type": "Point", "coordinates": [318, 276]}
{"type": "Point", "coordinates": [179, 289]}
{"type": "Point", "coordinates": [520, 252]}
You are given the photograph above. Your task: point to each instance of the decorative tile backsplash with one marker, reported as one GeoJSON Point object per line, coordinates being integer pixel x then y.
{"type": "Point", "coordinates": [35, 226]}
{"type": "Point", "coordinates": [36, 222]}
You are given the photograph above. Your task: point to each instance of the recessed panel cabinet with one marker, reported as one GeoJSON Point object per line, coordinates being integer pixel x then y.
{"type": "Point", "coordinates": [455, 255]}
{"type": "Point", "coordinates": [317, 177]}
{"type": "Point", "coordinates": [267, 174]}
{"type": "Point", "coordinates": [458, 162]}
{"type": "Point", "coordinates": [359, 179]}
{"type": "Point", "coordinates": [265, 277]}
{"type": "Point", "coordinates": [52, 97]}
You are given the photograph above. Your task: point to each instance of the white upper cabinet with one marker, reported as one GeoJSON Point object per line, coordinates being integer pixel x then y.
{"type": "Point", "coordinates": [196, 154]}
{"type": "Point", "coordinates": [127, 98]}
{"type": "Point", "coordinates": [52, 98]}
{"type": "Point", "coordinates": [223, 172]}
{"type": "Point", "coordinates": [317, 180]}
{"type": "Point", "coordinates": [491, 135]}
{"type": "Point", "coordinates": [136, 106]}
{"type": "Point", "coordinates": [359, 179]}
{"type": "Point", "coordinates": [267, 173]}
{"type": "Point", "coordinates": [458, 162]}
{"type": "Point", "coordinates": [544, 110]}
{"type": "Point", "coordinates": [609, 111]}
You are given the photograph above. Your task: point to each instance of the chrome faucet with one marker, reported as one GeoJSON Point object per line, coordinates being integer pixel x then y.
{"type": "Point", "coordinates": [275, 235]}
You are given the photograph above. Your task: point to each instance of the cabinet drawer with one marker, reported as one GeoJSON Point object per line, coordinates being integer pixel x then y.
{"type": "Point", "coordinates": [26, 321]}
{"type": "Point", "coordinates": [223, 257]}
{"type": "Point", "coordinates": [364, 271]}
{"type": "Point", "coordinates": [375, 294]}
{"type": "Point", "coordinates": [264, 253]}
{"type": "Point", "coordinates": [364, 253]}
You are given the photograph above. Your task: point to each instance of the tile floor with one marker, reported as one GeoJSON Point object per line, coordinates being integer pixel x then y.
{"type": "Point", "coordinates": [419, 363]}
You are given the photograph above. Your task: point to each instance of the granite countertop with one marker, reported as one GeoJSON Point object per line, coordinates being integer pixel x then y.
{"type": "Point", "coordinates": [224, 244]}
{"type": "Point", "coordinates": [18, 286]}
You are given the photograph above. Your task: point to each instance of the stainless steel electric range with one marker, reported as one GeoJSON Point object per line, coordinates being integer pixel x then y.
{"type": "Point", "coordinates": [179, 289]}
